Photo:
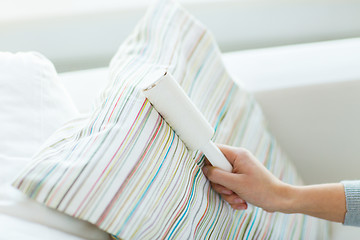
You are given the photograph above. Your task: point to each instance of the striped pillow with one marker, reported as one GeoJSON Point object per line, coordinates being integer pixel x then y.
{"type": "Point", "coordinates": [124, 169]}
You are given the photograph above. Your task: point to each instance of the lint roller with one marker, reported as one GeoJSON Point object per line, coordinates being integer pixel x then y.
{"type": "Point", "coordinates": [170, 100]}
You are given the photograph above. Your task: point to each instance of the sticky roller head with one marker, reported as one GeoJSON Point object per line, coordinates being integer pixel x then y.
{"type": "Point", "coordinates": [170, 100]}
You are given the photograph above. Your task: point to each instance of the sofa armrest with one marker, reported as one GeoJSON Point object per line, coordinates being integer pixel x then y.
{"type": "Point", "coordinates": [310, 95]}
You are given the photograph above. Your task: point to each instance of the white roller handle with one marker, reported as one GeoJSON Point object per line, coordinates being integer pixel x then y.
{"type": "Point", "coordinates": [216, 157]}
{"type": "Point", "coordinates": [177, 109]}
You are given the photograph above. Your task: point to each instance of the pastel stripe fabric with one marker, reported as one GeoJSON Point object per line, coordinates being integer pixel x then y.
{"type": "Point", "coordinates": [125, 170]}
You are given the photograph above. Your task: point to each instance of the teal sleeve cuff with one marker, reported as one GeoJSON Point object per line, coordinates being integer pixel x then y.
{"type": "Point", "coordinates": [352, 195]}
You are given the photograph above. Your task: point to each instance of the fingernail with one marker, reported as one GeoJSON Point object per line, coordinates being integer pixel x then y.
{"type": "Point", "coordinates": [238, 200]}
{"type": "Point", "coordinates": [205, 170]}
{"type": "Point", "coordinates": [227, 192]}
{"type": "Point", "coordinates": [240, 208]}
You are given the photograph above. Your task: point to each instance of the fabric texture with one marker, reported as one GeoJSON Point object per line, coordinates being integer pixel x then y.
{"type": "Point", "coordinates": [125, 170]}
{"type": "Point", "coordinates": [352, 195]}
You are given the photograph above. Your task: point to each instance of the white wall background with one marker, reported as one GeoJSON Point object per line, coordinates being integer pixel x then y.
{"type": "Point", "coordinates": [80, 34]}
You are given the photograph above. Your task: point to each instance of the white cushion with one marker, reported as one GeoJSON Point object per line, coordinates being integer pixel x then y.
{"type": "Point", "coordinates": [34, 104]}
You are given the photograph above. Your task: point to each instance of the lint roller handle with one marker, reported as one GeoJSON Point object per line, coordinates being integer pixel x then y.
{"type": "Point", "coordinates": [215, 156]}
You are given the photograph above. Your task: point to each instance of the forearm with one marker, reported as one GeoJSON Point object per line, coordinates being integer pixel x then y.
{"type": "Point", "coordinates": [326, 201]}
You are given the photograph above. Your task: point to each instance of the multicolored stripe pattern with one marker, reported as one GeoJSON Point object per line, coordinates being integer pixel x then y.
{"type": "Point", "coordinates": [125, 170]}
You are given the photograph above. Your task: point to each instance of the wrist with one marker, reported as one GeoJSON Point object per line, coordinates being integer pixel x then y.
{"type": "Point", "coordinates": [287, 198]}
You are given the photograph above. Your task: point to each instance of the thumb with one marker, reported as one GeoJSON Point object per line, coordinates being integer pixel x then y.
{"type": "Point", "coordinates": [216, 175]}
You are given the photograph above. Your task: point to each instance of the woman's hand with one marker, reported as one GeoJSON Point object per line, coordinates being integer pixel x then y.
{"type": "Point", "coordinates": [250, 182]}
